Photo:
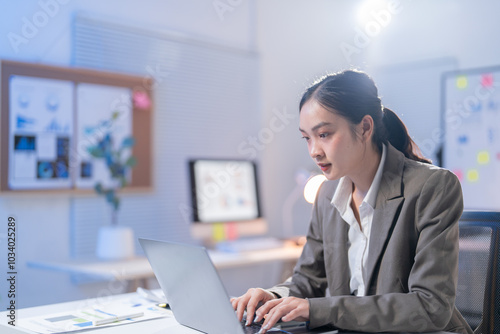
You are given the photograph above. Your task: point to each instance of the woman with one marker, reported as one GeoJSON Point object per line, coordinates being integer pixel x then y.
{"type": "Point", "coordinates": [382, 246]}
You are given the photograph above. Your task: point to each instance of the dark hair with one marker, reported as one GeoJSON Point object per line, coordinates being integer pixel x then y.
{"type": "Point", "coordinates": [352, 95]}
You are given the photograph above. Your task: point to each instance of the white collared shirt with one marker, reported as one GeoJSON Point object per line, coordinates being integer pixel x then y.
{"type": "Point", "coordinates": [359, 238]}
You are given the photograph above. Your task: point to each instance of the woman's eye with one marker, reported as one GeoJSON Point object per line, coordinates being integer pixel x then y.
{"type": "Point", "coordinates": [306, 138]}
{"type": "Point", "coordinates": [323, 135]}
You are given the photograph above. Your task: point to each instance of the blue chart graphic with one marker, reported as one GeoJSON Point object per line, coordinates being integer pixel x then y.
{"type": "Point", "coordinates": [63, 147]}
{"type": "Point", "coordinates": [86, 169]}
{"type": "Point", "coordinates": [24, 122]}
{"type": "Point", "coordinates": [84, 324]}
{"type": "Point", "coordinates": [24, 143]}
{"type": "Point", "coordinates": [54, 126]}
{"type": "Point", "coordinates": [23, 100]}
{"type": "Point", "coordinates": [62, 169]}
{"type": "Point", "coordinates": [45, 170]}
{"type": "Point", "coordinates": [52, 103]}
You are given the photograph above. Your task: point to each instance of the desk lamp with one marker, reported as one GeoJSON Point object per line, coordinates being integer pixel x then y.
{"type": "Point", "coordinates": [307, 185]}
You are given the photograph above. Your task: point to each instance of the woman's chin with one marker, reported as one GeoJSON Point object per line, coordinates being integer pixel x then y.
{"type": "Point", "coordinates": [331, 176]}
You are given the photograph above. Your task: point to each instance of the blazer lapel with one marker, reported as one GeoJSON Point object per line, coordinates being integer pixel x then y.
{"type": "Point", "coordinates": [340, 279]}
{"type": "Point", "coordinates": [386, 213]}
{"type": "Point", "coordinates": [336, 252]}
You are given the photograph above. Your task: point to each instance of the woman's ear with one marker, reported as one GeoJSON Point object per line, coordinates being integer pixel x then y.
{"type": "Point", "coordinates": [366, 127]}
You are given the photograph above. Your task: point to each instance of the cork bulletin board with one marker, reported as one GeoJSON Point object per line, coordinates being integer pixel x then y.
{"type": "Point", "coordinates": [49, 116]}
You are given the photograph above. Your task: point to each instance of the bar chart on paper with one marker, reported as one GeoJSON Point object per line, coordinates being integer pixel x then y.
{"type": "Point", "coordinates": [100, 314]}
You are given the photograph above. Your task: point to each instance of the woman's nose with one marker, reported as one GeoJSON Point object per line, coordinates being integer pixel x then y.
{"type": "Point", "coordinates": [315, 150]}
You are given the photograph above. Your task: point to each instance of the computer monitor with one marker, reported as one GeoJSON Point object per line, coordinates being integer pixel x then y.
{"type": "Point", "coordinates": [224, 190]}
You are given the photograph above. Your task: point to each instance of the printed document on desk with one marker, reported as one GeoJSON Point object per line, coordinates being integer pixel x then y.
{"type": "Point", "coordinates": [83, 318]}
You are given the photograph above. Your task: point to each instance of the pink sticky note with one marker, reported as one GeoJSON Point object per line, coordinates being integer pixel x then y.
{"type": "Point", "coordinates": [141, 100]}
{"type": "Point", "coordinates": [459, 174]}
{"type": "Point", "coordinates": [231, 231]}
{"type": "Point", "coordinates": [487, 80]}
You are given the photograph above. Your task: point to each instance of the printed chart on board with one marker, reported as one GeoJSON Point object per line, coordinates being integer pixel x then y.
{"type": "Point", "coordinates": [48, 143]}
{"type": "Point", "coordinates": [471, 123]}
{"type": "Point", "coordinates": [95, 104]}
{"type": "Point", "coordinates": [40, 132]}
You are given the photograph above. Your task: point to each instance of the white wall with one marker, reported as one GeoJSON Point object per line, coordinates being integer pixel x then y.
{"type": "Point", "coordinates": [300, 40]}
{"type": "Point", "coordinates": [43, 220]}
{"type": "Point", "coordinates": [51, 43]}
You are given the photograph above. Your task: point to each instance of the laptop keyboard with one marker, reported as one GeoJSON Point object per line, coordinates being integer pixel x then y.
{"type": "Point", "coordinates": [252, 329]}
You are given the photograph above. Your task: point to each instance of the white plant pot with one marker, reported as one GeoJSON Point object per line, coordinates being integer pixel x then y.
{"type": "Point", "coordinates": [115, 243]}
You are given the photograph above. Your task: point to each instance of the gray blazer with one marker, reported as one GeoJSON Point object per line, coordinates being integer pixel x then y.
{"type": "Point", "coordinates": [411, 270]}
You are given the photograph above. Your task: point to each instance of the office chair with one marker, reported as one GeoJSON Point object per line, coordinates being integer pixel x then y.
{"type": "Point", "coordinates": [478, 292]}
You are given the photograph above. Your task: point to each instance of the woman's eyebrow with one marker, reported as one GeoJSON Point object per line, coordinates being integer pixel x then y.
{"type": "Point", "coordinates": [320, 125]}
{"type": "Point", "coordinates": [317, 126]}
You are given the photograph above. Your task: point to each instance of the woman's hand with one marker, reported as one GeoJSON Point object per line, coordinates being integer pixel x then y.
{"type": "Point", "coordinates": [249, 301]}
{"type": "Point", "coordinates": [286, 309]}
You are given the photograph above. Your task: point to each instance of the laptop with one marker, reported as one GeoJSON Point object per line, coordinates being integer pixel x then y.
{"type": "Point", "coordinates": [193, 288]}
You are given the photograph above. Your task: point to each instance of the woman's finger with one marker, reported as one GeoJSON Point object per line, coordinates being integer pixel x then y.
{"type": "Point", "coordinates": [264, 309]}
{"type": "Point", "coordinates": [241, 305]}
{"type": "Point", "coordinates": [255, 298]}
{"type": "Point", "coordinates": [288, 309]}
{"type": "Point", "coordinates": [273, 316]}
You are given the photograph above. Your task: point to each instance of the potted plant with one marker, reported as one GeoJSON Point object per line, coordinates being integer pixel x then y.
{"type": "Point", "coordinates": [113, 241]}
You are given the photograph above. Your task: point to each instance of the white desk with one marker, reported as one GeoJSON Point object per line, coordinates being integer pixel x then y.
{"type": "Point", "coordinates": [161, 325]}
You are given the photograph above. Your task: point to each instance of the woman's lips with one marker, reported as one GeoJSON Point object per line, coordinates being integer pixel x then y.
{"type": "Point", "coordinates": [324, 167]}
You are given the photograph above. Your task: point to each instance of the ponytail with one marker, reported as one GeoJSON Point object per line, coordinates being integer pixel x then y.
{"type": "Point", "coordinates": [397, 135]}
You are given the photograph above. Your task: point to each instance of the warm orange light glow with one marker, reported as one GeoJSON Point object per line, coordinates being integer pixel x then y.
{"type": "Point", "coordinates": [312, 186]}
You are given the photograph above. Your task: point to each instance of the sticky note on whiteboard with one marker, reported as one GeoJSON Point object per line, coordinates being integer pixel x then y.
{"type": "Point", "coordinates": [461, 82]}
{"type": "Point", "coordinates": [472, 175]}
{"type": "Point", "coordinates": [483, 157]}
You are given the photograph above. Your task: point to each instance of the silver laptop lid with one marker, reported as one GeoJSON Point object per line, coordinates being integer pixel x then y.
{"type": "Point", "coordinates": [192, 286]}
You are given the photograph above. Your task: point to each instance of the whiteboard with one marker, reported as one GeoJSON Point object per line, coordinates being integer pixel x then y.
{"type": "Point", "coordinates": [471, 123]}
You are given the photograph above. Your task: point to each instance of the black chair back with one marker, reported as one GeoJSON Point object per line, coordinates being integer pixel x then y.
{"type": "Point", "coordinates": [478, 292]}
